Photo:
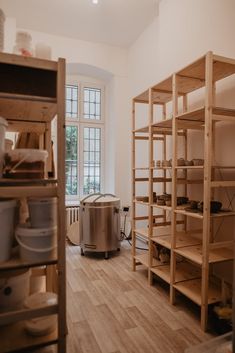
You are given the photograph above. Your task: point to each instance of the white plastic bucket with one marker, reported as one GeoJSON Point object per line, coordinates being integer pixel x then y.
{"type": "Point", "coordinates": [42, 212]}
{"type": "Point", "coordinates": [36, 245]}
{"type": "Point", "coordinates": [14, 289]}
{"type": "Point", "coordinates": [3, 126]}
{"type": "Point", "coordinates": [37, 282]}
{"type": "Point", "coordinates": [7, 221]}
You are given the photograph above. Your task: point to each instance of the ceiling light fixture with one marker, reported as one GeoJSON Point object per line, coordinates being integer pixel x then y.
{"type": "Point", "coordinates": [95, 2]}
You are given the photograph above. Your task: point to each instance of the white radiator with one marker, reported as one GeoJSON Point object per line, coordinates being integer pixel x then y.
{"type": "Point", "coordinates": [72, 215]}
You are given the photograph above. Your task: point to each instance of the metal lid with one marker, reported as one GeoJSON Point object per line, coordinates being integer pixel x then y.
{"type": "Point", "coordinates": [100, 200]}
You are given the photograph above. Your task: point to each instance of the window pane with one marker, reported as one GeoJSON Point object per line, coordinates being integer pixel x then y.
{"type": "Point", "coordinates": [92, 161]}
{"type": "Point", "coordinates": [71, 101]}
{"type": "Point", "coordinates": [71, 162]}
{"type": "Point", "coordinates": [92, 101]}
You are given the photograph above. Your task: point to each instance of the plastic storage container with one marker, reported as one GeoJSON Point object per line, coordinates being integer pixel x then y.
{"type": "Point", "coordinates": [43, 325]}
{"type": "Point", "coordinates": [7, 221]}
{"type": "Point", "coordinates": [42, 212]}
{"type": "Point", "coordinates": [3, 126]}
{"type": "Point", "coordinates": [23, 44]}
{"type": "Point", "coordinates": [36, 245]}
{"type": "Point", "coordinates": [2, 22]}
{"type": "Point", "coordinates": [14, 289]}
{"type": "Point", "coordinates": [25, 163]}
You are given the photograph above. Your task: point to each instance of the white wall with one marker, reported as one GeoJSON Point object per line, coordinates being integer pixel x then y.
{"type": "Point", "coordinates": [112, 62]}
{"type": "Point", "coordinates": [184, 31]}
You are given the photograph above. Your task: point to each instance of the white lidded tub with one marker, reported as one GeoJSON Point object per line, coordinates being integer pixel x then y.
{"type": "Point", "coordinates": [36, 245]}
{"type": "Point", "coordinates": [26, 163]}
{"type": "Point", "coordinates": [42, 325]}
{"type": "Point", "coordinates": [14, 289]}
{"type": "Point", "coordinates": [3, 126]}
{"type": "Point", "coordinates": [7, 221]}
{"type": "Point", "coordinates": [43, 212]}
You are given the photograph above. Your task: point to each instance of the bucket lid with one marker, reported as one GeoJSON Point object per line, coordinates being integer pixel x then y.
{"type": "Point", "coordinates": [101, 200]}
{"type": "Point", "coordinates": [29, 155]}
{"type": "Point", "coordinates": [2, 120]}
{"type": "Point", "coordinates": [42, 200]}
{"type": "Point", "coordinates": [7, 203]}
{"type": "Point", "coordinates": [24, 230]}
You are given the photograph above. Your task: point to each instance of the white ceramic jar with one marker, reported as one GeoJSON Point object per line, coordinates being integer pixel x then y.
{"type": "Point", "coordinates": [23, 44]}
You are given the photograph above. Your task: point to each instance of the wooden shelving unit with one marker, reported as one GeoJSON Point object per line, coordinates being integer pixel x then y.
{"type": "Point", "coordinates": [32, 94]}
{"type": "Point", "coordinates": [170, 116]}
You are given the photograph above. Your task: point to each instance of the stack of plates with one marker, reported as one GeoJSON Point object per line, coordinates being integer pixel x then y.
{"type": "Point", "coordinates": [42, 325]}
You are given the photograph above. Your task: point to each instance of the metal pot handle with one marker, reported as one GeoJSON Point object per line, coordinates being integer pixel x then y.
{"type": "Point", "coordinates": [87, 197]}
{"type": "Point", "coordinates": [101, 195]}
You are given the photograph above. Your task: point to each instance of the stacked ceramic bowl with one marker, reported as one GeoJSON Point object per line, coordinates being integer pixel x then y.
{"type": "Point", "coordinates": [2, 20]}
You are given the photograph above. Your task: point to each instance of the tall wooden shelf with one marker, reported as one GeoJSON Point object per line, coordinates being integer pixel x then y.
{"type": "Point", "coordinates": [197, 247]}
{"type": "Point", "coordinates": [32, 94]}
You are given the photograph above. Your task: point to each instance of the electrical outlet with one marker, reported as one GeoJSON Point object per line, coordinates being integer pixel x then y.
{"type": "Point", "coordinates": [125, 208]}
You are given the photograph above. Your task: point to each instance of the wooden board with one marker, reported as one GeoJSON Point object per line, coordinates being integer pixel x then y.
{"type": "Point", "coordinates": [28, 191]}
{"type": "Point", "coordinates": [194, 253]}
{"type": "Point", "coordinates": [143, 259]}
{"type": "Point", "coordinates": [15, 338]}
{"type": "Point", "coordinates": [184, 271]}
{"type": "Point", "coordinates": [41, 110]}
{"type": "Point", "coordinates": [182, 240]}
{"type": "Point", "coordinates": [192, 290]}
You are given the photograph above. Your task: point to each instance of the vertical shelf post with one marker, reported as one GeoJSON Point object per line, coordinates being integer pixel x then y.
{"type": "Point", "coordinates": [174, 187]}
{"type": "Point", "coordinates": [207, 187]}
{"type": "Point", "coordinates": [133, 189]}
{"type": "Point", "coordinates": [62, 327]}
{"type": "Point", "coordinates": [150, 186]}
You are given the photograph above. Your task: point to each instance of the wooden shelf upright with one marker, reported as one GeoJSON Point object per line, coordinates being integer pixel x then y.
{"type": "Point", "coordinates": [196, 249]}
{"type": "Point", "coordinates": [32, 94]}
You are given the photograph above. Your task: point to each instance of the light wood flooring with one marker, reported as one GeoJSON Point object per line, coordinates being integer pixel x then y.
{"type": "Point", "coordinates": [113, 310]}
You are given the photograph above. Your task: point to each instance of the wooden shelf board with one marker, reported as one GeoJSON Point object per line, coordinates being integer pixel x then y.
{"type": "Point", "coordinates": [144, 129]}
{"type": "Point", "coordinates": [190, 167]}
{"type": "Point", "coordinates": [192, 76]}
{"type": "Point", "coordinates": [184, 271]}
{"type": "Point", "coordinates": [143, 168]}
{"type": "Point", "coordinates": [28, 61]}
{"type": "Point", "coordinates": [162, 271]}
{"type": "Point", "coordinates": [199, 215]}
{"type": "Point", "coordinates": [26, 182]}
{"type": "Point", "coordinates": [182, 240]}
{"type": "Point", "coordinates": [16, 263]}
{"type": "Point", "coordinates": [27, 191]}
{"type": "Point", "coordinates": [15, 338]}
{"type": "Point", "coordinates": [27, 110]}
{"type": "Point", "coordinates": [192, 290]}
{"type": "Point", "coordinates": [141, 203]}
{"type": "Point", "coordinates": [163, 207]}
{"type": "Point", "coordinates": [142, 231]}
{"type": "Point", "coordinates": [198, 115]}
{"type": "Point", "coordinates": [144, 260]}
{"type": "Point", "coordinates": [161, 168]}
{"type": "Point", "coordinates": [194, 253]}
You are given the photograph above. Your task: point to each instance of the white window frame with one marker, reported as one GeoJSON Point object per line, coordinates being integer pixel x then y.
{"type": "Point", "coordinates": [81, 122]}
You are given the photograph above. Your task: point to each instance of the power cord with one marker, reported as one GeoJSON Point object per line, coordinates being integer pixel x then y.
{"type": "Point", "coordinates": [125, 237]}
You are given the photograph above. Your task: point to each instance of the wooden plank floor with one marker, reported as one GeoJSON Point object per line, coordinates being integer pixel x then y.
{"type": "Point", "coordinates": [113, 310]}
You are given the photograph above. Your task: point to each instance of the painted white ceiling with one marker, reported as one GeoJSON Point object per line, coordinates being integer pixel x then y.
{"type": "Point", "coordinates": [114, 22]}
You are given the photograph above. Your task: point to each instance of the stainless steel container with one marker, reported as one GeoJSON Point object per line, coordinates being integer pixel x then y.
{"type": "Point", "coordinates": [100, 223]}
